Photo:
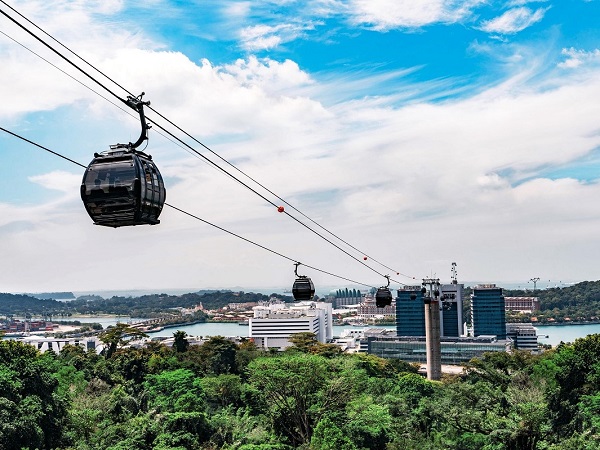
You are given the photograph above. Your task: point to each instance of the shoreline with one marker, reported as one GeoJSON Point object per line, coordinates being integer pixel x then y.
{"type": "Point", "coordinates": [161, 327]}
{"type": "Point", "coordinates": [561, 324]}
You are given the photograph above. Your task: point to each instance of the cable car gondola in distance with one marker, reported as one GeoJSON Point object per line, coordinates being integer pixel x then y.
{"type": "Point", "coordinates": [303, 289]}
{"type": "Point", "coordinates": [123, 186]}
{"type": "Point", "coordinates": [383, 296]}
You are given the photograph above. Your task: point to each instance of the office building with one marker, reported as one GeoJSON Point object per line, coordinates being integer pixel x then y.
{"type": "Point", "coordinates": [488, 311]}
{"type": "Point", "coordinates": [451, 312]}
{"type": "Point", "coordinates": [410, 312]}
{"type": "Point", "coordinates": [274, 323]}
{"type": "Point", "coordinates": [523, 335]}
{"type": "Point", "coordinates": [458, 350]}
{"type": "Point", "coordinates": [522, 304]}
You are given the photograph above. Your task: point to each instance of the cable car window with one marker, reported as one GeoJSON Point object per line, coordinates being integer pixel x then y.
{"type": "Point", "coordinates": [105, 176]}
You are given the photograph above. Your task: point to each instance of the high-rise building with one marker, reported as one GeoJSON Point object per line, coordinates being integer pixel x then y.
{"type": "Point", "coordinates": [274, 323]}
{"type": "Point", "coordinates": [451, 312]}
{"type": "Point", "coordinates": [487, 311]}
{"type": "Point", "coordinates": [410, 314]}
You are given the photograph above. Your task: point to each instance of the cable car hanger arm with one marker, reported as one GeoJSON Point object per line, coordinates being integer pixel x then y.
{"type": "Point", "coordinates": [137, 104]}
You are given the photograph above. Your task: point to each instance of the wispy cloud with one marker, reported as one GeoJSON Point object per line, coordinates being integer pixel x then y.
{"type": "Point", "coordinates": [513, 3]}
{"type": "Point", "coordinates": [514, 20]}
{"type": "Point", "coordinates": [390, 14]}
{"type": "Point", "coordinates": [266, 37]}
{"type": "Point", "coordinates": [576, 58]}
{"type": "Point", "coordinates": [58, 180]}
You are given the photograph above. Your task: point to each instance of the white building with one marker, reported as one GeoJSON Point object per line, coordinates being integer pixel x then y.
{"type": "Point", "coordinates": [43, 343]}
{"type": "Point", "coordinates": [274, 323]}
{"type": "Point", "coordinates": [524, 336]}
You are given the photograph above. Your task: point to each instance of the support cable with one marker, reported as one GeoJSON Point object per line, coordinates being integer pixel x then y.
{"type": "Point", "coordinates": [190, 136]}
{"type": "Point", "coordinates": [193, 215]}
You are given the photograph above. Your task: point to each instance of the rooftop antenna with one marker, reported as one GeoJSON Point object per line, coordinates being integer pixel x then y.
{"type": "Point", "coordinates": [534, 281]}
{"type": "Point", "coordinates": [454, 274]}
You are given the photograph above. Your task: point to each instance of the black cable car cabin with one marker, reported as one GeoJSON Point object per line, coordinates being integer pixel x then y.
{"type": "Point", "coordinates": [383, 297]}
{"type": "Point", "coordinates": [123, 187]}
{"type": "Point", "coordinates": [303, 289]}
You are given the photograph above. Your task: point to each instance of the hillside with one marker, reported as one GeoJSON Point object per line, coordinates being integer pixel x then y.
{"type": "Point", "coordinates": [143, 306]}
{"type": "Point", "coordinates": [577, 303]}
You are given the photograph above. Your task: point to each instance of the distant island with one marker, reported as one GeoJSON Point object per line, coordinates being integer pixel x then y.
{"type": "Point", "coordinates": [145, 306]}
{"type": "Point", "coordinates": [53, 296]}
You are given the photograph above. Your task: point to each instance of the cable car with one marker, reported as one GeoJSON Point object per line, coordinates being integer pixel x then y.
{"type": "Point", "coordinates": [123, 186]}
{"type": "Point", "coordinates": [383, 296]}
{"type": "Point", "coordinates": [303, 289]}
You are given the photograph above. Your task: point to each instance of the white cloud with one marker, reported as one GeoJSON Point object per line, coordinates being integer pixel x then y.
{"type": "Point", "coordinates": [514, 20]}
{"type": "Point", "coordinates": [237, 9]}
{"type": "Point", "coordinates": [268, 74]}
{"type": "Point", "coordinates": [58, 180]}
{"type": "Point", "coordinates": [25, 78]}
{"type": "Point", "coordinates": [265, 37]}
{"type": "Point", "coordinates": [389, 14]}
{"type": "Point", "coordinates": [367, 170]}
{"type": "Point", "coordinates": [523, 2]}
{"type": "Point", "coordinates": [576, 58]}
{"type": "Point", "coordinates": [420, 182]}
{"type": "Point", "coordinates": [245, 97]}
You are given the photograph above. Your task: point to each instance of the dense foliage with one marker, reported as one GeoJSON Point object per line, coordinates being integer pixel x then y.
{"type": "Point", "coordinates": [221, 395]}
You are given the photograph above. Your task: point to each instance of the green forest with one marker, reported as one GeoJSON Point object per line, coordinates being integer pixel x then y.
{"type": "Point", "coordinates": [221, 395]}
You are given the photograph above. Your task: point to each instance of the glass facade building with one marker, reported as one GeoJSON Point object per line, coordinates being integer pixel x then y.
{"type": "Point", "coordinates": [449, 318]}
{"type": "Point", "coordinates": [410, 313]}
{"type": "Point", "coordinates": [487, 311]}
{"type": "Point", "coordinates": [454, 351]}
{"type": "Point", "coordinates": [451, 312]}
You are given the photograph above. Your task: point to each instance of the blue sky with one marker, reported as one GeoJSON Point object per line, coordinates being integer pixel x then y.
{"type": "Point", "coordinates": [424, 133]}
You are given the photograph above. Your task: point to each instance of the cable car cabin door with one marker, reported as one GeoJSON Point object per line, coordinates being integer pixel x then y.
{"type": "Point", "coordinates": [152, 195]}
